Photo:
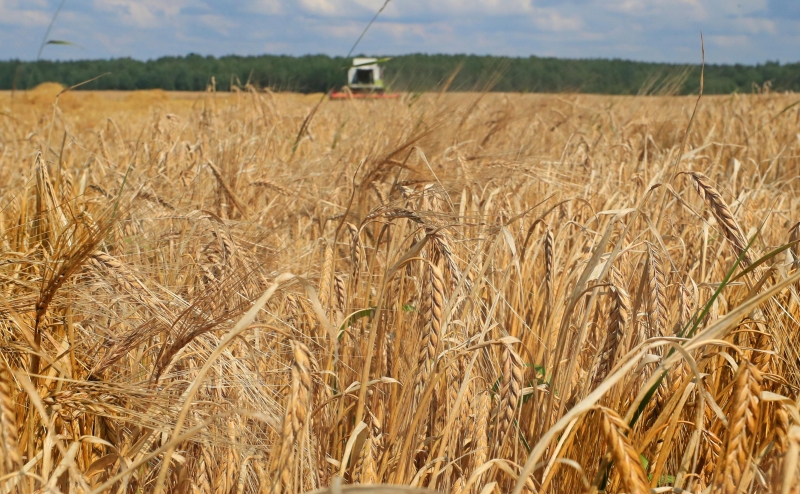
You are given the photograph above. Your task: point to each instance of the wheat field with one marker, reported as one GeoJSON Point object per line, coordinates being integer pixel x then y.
{"type": "Point", "coordinates": [471, 293]}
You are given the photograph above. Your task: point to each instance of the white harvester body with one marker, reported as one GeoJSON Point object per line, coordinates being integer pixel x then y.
{"type": "Point", "coordinates": [365, 81]}
{"type": "Point", "coordinates": [365, 75]}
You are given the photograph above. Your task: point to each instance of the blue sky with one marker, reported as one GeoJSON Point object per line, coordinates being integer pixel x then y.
{"type": "Point", "coordinates": [736, 31]}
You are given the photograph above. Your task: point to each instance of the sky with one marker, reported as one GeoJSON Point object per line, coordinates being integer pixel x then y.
{"type": "Point", "coordinates": [735, 31]}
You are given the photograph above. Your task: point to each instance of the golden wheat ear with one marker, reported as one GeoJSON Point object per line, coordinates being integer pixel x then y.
{"type": "Point", "coordinates": [615, 329]}
{"type": "Point", "coordinates": [295, 418]}
{"type": "Point", "coordinates": [9, 442]}
{"type": "Point", "coordinates": [744, 413]}
{"type": "Point", "coordinates": [508, 399]}
{"type": "Point", "coordinates": [721, 212]}
{"type": "Point", "coordinates": [626, 459]}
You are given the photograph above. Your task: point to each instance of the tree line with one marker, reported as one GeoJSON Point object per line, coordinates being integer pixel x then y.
{"type": "Point", "coordinates": [416, 72]}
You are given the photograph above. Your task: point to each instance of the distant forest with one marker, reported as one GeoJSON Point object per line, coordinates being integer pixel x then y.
{"type": "Point", "coordinates": [319, 73]}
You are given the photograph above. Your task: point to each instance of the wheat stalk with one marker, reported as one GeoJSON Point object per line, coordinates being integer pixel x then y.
{"type": "Point", "coordinates": [226, 189]}
{"type": "Point", "coordinates": [794, 238]}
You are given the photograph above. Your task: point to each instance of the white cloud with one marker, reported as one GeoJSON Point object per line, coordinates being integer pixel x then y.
{"type": "Point", "coordinates": [449, 8]}
{"type": "Point", "coordinates": [218, 23]}
{"type": "Point", "coordinates": [494, 8]}
{"type": "Point", "coordinates": [324, 7]}
{"type": "Point", "coordinates": [754, 25]}
{"type": "Point", "coordinates": [431, 34]}
{"type": "Point", "coordinates": [33, 14]}
{"type": "Point", "coordinates": [269, 7]}
{"type": "Point", "coordinates": [657, 30]}
{"type": "Point", "coordinates": [142, 13]}
{"type": "Point", "coordinates": [345, 30]}
{"type": "Point", "coordinates": [276, 47]}
{"type": "Point", "coordinates": [666, 9]}
{"type": "Point", "coordinates": [734, 8]}
{"type": "Point", "coordinates": [552, 20]}
{"type": "Point", "coordinates": [734, 41]}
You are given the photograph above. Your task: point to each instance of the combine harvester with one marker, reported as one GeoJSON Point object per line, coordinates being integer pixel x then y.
{"type": "Point", "coordinates": [365, 81]}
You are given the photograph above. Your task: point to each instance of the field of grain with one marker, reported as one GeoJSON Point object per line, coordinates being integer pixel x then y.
{"type": "Point", "coordinates": [472, 293]}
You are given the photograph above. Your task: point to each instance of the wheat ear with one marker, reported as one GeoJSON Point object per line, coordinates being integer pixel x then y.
{"type": "Point", "coordinates": [615, 330]}
{"type": "Point", "coordinates": [430, 340]}
{"type": "Point", "coordinates": [356, 249]}
{"type": "Point", "coordinates": [341, 291]}
{"type": "Point", "coordinates": [743, 416]}
{"type": "Point", "coordinates": [9, 444]}
{"type": "Point", "coordinates": [657, 296]}
{"type": "Point", "coordinates": [295, 416]}
{"type": "Point", "coordinates": [781, 427]}
{"type": "Point", "coordinates": [271, 185]}
{"type": "Point", "coordinates": [325, 276]}
{"type": "Point", "coordinates": [548, 261]}
{"type": "Point", "coordinates": [443, 248]}
{"type": "Point", "coordinates": [687, 305]}
{"type": "Point", "coordinates": [721, 212]}
{"type": "Point", "coordinates": [129, 281]}
{"type": "Point", "coordinates": [479, 432]}
{"type": "Point", "coordinates": [509, 395]}
{"type": "Point", "coordinates": [370, 453]}
{"type": "Point", "coordinates": [625, 457]}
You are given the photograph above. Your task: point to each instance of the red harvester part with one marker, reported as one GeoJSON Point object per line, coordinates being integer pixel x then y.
{"type": "Point", "coordinates": [352, 95]}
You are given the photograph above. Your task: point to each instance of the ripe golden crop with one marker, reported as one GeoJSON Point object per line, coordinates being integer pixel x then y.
{"type": "Point", "coordinates": [472, 293]}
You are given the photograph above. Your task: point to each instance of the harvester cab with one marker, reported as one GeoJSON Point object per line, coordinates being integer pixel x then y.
{"type": "Point", "coordinates": [365, 75]}
{"type": "Point", "coordinates": [365, 80]}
